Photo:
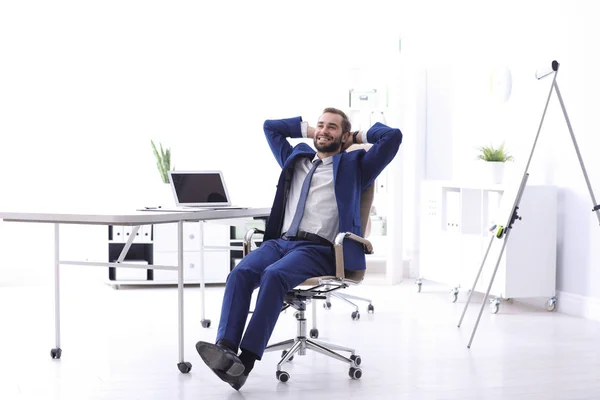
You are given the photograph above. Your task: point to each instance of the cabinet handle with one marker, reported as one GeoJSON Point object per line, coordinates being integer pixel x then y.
{"type": "Point", "coordinates": [192, 265]}
{"type": "Point", "coordinates": [192, 236]}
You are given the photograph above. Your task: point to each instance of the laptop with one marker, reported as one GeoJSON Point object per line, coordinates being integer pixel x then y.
{"type": "Point", "coordinates": [199, 190]}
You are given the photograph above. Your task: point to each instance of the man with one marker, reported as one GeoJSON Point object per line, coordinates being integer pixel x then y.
{"type": "Point", "coordinates": [318, 196]}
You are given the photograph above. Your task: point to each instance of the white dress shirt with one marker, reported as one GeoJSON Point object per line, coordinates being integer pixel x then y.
{"type": "Point", "coordinates": [321, 211]}
{"type": "Point", "coordinates": [321, 215]}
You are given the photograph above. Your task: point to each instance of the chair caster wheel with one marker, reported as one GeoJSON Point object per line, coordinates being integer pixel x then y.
{"type": "Point", "coordinates": [282, 376]}
{"type": "Point", "coordinates": [284, 352]}
{"type": "Point", "coordinates": [56, 353]}
{"type": "Point", "coordinates": [314, 333]}
{"type": "Point", "coordinates": [355, 373]}
{"type": "Point", "coordinates": [205, 323]}
{"type": "Point", "coordinates": [355, 315]}
{"type": "Point", "coordinates": [494, 306]}
{"type": "Point", "coordinates": [357, 360]}
{"type": "Point", "coordinates": [327, 305]}
{"type": "Point", "coordinates": [370, 309]}
{"type": "Point", "coordinates": [184, 367]}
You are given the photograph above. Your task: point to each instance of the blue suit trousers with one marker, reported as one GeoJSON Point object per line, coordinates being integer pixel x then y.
{"type": "Point", "coordinates": [277, 266]}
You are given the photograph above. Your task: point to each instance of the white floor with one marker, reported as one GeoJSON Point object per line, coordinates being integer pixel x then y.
{"type": "Point", "coordinates": [122, 344]}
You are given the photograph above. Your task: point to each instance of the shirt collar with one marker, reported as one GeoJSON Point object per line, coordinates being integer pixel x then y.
{"type": "Point", "coordinates": [327, 160]}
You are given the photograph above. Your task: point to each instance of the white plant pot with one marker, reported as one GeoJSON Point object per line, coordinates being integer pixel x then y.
{"type": "Point", "coordinates": [493, 172]}
{"type": "Point", "coordinates": [165, 197]}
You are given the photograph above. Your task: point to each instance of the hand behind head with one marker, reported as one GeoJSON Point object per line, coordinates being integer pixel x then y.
{"type": "Point", "coordinates": [346, 144]}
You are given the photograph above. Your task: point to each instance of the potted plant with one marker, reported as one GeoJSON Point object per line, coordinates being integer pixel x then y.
{"type": "Point", "coordinates": [163, 193]}
{"type": "Point", "coordinates": [163, 161]}
{"type": "Point", "coordinates": [494, 158]}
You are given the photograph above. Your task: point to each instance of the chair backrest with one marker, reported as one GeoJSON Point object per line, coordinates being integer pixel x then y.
{"type": "Point", "coordinates": [366, 203]}
{"type": "Point", "coordinates": [366, 198]}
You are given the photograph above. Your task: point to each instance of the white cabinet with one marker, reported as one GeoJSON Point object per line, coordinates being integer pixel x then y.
{"type": "Point", "coordinates": [216, 267]}
{"type": "Point", "coordinates": [215, 246]}
{"type": "Point", "coordinates": [157, 245]}
{"type": "Point", "coordinates": [456, 219]}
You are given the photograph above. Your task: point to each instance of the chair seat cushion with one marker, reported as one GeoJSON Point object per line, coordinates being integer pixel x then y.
{"type": "Point", "coordinates": [315, 281]}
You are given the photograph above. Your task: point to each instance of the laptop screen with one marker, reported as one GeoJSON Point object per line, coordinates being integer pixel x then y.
{"type": "Point", "coordinates": [199, 188]}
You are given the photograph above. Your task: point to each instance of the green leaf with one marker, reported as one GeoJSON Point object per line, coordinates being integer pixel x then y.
{"type": "Point", "coordinates": [163, 161]}
{"type": "Point", "coordinates": [490, 153]}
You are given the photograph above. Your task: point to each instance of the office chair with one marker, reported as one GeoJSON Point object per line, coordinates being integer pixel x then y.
{"type": "Point", "coordinates": [318, 288]}
{"type": "Point", "coordinates": [355, 315]}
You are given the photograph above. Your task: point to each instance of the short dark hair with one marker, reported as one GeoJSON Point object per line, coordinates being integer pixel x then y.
{"type": "Point", "coordinates": [346, 125]}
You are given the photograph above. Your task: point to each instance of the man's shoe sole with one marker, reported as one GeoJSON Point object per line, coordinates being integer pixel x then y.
{"type": "Point", "coordinates": [235, 382]}
{"type": "Point", "coordinates": [217, 359]}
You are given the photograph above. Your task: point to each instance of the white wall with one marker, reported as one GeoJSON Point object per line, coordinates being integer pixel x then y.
{"type": "Point", "coordinates": [85, 86]}
{"type": "Point", "coordinates": [461, 42]}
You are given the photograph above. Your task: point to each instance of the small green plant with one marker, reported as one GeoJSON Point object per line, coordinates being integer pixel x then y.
{"type": "Point", "coordinates": [163, 161]}
{"type": "Point", "coordinates": [490, 153]}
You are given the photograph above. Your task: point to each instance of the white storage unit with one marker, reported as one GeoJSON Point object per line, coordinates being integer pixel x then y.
{"type": "Point", "coordinates": [455, 224]}
{"type": "Point", "coordinates": [217, 258]}
{"type": "Point", "coordinates": [157, 244]}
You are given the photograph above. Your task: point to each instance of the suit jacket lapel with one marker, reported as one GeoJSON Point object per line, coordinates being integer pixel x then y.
{"type": "Point", "coordinates": [336, 165]}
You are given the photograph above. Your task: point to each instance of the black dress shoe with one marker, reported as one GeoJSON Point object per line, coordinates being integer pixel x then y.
{"type": "Point", "coordinates": [235, 382]}
{"type": "Point", "coordinates": [220, 359]}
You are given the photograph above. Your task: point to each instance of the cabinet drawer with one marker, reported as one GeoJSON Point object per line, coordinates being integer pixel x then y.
{"type": "Point", "coordinates": [117, 234]}
{"type": "Point", "coordinates": [165, 236]}
{"type": "Point", "coordinates": [216, 266]}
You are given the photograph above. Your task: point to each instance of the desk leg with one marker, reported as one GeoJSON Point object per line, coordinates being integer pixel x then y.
{"type": "Point", "coordinates": [56, 352]}
{"type": "Point", "coordinates": [183, 366]}
{"type": "Point", "coordinates": [205, 322]}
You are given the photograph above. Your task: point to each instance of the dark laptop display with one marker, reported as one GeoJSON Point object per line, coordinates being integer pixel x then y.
{"type": "Point", "coordinates": [199, 188]}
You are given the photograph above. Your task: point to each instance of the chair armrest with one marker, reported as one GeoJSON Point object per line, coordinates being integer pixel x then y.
{"type": "Point", "coordinates": [247, 244]}
{"type": "Point", "coordinates": [339, 250]}
{"type": "Point", "coordinates": [339, 240]}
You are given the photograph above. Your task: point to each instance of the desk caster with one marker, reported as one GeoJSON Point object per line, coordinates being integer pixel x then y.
{"type": "Point", "coordinates": [370, 309]}
{"type": "Point", "coordinates": [282, 376]}
{"type": "Point", "coordinates": [327, 305]}
{"type": "Point", "coordinates": [355, 315]}
{"type": "Point", "coordinates": [314, 333]}
{"type": "Point", "coordinates": [419, 284]}
{"type": "Point", "coordinates": [454, 295]}
{"type": "Point", "coordinates": [494, 306]}
{"type": "Point", "coordinates": [56, 353]}
{"type": "Point", "coordinates": [184, 367]}
{"type": "Point", "coordinates": [205, 323]}
{"type": "Point", "coordinates": [551, 304]}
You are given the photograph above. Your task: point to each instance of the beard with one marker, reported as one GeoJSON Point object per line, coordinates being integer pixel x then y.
{"type": "Point", "coordinates": [331, 147]}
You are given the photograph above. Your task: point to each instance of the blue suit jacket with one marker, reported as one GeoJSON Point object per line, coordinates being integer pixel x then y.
{"type": "Point", "coordinates": [352, 173]}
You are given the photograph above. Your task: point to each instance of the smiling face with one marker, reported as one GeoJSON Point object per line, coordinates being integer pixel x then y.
{"type": "Point", "coordinates": [328, 133]}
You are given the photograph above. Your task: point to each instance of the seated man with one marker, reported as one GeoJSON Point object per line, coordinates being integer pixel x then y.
{"type": "Point", "coordinates": [318, 196]}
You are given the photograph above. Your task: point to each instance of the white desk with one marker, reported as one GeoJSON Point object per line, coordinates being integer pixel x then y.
{"type": "Point", "coordinates": [134, 219]}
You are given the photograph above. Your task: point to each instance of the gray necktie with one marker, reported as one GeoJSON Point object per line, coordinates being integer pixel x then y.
{"type": "Point", "coordinates": [293, 231]}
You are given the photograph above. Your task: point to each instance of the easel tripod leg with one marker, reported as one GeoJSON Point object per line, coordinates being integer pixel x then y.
{"type": "Point", "coordinates": [585, 175]}
{"type": "Point", "coordinates": [489, 288]}
{"type": "Point", "coordinates": [476, 280]}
